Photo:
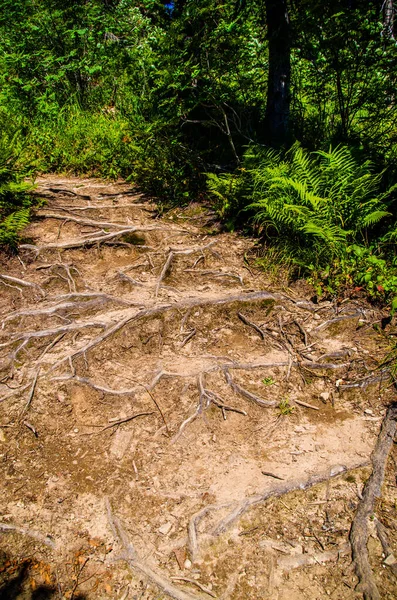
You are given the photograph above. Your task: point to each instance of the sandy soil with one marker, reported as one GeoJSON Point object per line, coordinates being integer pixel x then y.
{"type": "Point", "coordinates": [172, 423]}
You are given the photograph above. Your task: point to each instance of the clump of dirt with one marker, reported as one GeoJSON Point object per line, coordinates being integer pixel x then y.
{"type": "Point", "coordinates": [171, 423]}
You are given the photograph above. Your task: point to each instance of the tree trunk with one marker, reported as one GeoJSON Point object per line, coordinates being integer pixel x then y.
{"type": "Point", "coordinates": [278, 93]}
{"type": "Point", "coordinates": [388, 19]}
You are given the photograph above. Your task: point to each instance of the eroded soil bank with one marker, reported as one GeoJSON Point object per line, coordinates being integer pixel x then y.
{"type": "Point", "coordinates": [163, 402]}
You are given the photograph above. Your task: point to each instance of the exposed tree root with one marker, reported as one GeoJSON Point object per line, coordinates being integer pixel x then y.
{"type": "Point", "coordinates": [100, 238]}
{"type": "Point", "coordinates": [14, 282]}
{"type": "Point", "coordinates": [281, 490]}
{"type": "Point", "coordinates": [359, 531]}
{"type": "Point", "coordinates": [171, 255]}
{"type": "Point", "coordinates": [131, 557]}
{"type": "Point", "coordinates": [39, 537]}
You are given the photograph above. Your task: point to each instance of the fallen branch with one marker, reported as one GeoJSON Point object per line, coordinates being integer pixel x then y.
{"type": "Point", "coordinates": [131, 557]}
{"type": "Point", "coordinates": [124, 420]}
{"type": "Point", "coordinates": [359, 531]}
{"type": "Point", "coordinates": [305, 404]}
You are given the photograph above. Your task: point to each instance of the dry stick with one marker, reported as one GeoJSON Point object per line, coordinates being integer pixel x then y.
{"type": "Point", "coordinates": [125, 420]}
{"type": "Point", "coordinates": [39, 537]}
{"type": "Point", "coordinates": [99, 295]}
{"type": "Point", "coordinates": [31, 393]}
{"type": "Point", "coordinates": [188, 337]}
{"type": "Point", "coordinates": [289, 486]}
{"type": "Point", "coordinates": [373, 488]}
{"type": "Point", "coordinates": [268, 474]}
{"type": "Point", "coordinates": [136, 563]}
{"type": "Point", "coordinates": [305, 404]}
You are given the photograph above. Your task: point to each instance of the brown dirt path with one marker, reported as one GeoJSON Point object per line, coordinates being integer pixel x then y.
{"type": "Point", "coordinates": [152, 379]}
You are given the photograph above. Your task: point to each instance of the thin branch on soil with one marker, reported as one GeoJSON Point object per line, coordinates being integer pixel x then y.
{"type": "Point", "coordinates": [305, 404]}
{"type": "Point", "coordinates": [31, 393]}
{"type": "Point", "coordinates": [124, 420]}
{"type": "Point", "coordinates": [39, 537]}
{"type": "Point", "coordinates": [136, 563]}
{"type": "Point", "coordinates": [373, 489]}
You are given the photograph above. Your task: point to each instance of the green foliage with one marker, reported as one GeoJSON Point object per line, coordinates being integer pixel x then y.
{"type": "Point", "coordinates": [14, 199]}
{"type": "Point", "coordinates": [268, 381]}
{"type": "Point", "coordinates": [285, 408]}
{"type": "Point", "coordinates": [312, 204]}
{"type": "Point", "coordinates": [359, 269]}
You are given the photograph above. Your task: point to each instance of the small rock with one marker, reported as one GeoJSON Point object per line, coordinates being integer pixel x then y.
{"type": "Point", "coordinates": [166, 528]}
{"type": "Point", "coordinates": [316, 317]}
{"type": "Point", "coordinates": [187, 564]}
{"type": "Point", "coordinates": [368, 411]}
{"type": "Point", "coordinates": [390, 560]}
{"type": "Point", "coordinates": [2, 436]}
{"type": "Point", "coordinates": [337, 469]}
{"type": "Point", "coordinates": [325, 396]}
{"type": "Point", "coordinates": [76, 430]}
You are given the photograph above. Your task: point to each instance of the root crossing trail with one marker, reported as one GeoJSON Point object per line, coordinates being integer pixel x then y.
{"type": "Point", "coordinates": [172, 423]}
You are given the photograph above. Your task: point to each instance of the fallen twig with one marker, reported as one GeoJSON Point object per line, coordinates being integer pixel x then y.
{"type": "Point", "coordinates": [305, 404]}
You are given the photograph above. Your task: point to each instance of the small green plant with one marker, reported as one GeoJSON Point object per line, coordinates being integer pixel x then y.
{"type": "Point", "coordinates": [268, 381]}
{"type": "Point", "coordinates": [285, 408]}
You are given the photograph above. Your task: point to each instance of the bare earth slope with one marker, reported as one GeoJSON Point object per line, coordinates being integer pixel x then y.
{"type": "Point", "coordinates": [172, 425]}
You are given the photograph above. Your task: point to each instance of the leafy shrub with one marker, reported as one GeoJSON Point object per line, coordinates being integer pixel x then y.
{"type": "Point", "coordinates": [15, 202]}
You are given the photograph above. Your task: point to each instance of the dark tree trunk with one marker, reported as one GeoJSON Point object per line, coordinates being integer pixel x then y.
{"type": "Point", "coordinates": [388, 18]}
{"type": "Point", "coordinates": [278, 94]}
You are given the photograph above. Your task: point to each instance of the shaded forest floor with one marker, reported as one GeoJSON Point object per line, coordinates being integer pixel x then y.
{"type": "Point", "coordinates": [163, 402]}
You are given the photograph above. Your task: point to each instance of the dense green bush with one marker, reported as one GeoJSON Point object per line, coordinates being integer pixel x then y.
{"type": "Point", "coordinates": [323, 211]}
{"type": "Point", "coordinates": [15, 201]}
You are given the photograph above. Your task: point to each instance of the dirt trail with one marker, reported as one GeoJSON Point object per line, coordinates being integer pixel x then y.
{"type": "Point", "coordinates": [158, 393]}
